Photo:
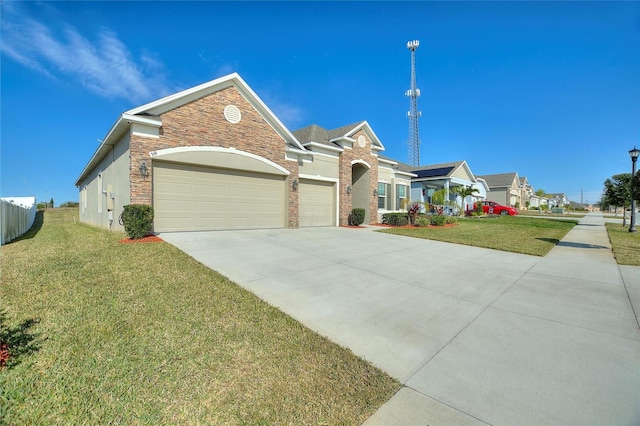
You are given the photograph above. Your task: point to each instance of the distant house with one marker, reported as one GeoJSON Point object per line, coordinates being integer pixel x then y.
{"type": "Point", "coordinates": [526, 191]}
{"type": "Point", "coordinates": [504, 188]}
{"type": "Point", "coordinates": [558, 199]}
{"type": "Point", "coordinates": [434, 177]}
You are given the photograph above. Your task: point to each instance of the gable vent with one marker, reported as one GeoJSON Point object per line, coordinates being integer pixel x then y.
{"type": "Point", "coordinates": [232, 114]}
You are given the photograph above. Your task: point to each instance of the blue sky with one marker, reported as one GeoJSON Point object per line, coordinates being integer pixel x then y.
{"type": "Point", "coordinates": [550, 90]}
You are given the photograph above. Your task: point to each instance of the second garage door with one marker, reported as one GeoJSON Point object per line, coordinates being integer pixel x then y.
{"type": "Point", "coordinates": [196, 198]}
{"type": "Point", "coordinates": [317, 203]}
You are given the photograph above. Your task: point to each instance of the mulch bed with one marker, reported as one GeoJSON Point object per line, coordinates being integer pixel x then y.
{"type": "Point", "coordinates": [147, 239]}
{"type": "Point", "coordinates": [384, 225]}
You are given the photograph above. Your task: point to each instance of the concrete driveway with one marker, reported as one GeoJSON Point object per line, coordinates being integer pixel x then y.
{"type": "Point", "coordinates": [475, 335]}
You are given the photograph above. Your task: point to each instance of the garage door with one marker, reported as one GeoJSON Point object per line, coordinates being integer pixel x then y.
{"type": "Point", "coordinates": [317, 203]}
{"type": "Point", "coordinates": [196, 198]}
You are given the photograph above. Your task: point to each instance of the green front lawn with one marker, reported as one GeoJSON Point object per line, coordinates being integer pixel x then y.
{"type": "Point", "coordinates": [625, 244]}
{"type": "Point", "coordinates": [108, 333]}
{"type": "Point", "coordinates": [534, 236]}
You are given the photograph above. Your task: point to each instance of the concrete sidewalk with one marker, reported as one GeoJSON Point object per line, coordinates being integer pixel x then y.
{"type": "Point", "coordinates": [560, 346]}
{"type": "Point", "coordinates": [476, 336]}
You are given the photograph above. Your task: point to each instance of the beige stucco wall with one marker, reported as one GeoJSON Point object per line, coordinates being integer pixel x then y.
{"type": "Point", "coordinates": [323, 165]}
{"type": "Point", "coordinates": [388, 175]}
{"type": "Point", "coordinates": [94, 204]}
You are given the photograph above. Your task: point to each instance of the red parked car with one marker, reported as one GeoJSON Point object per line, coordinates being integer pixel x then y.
{"type": "Point", "coordinates": [491, 207]}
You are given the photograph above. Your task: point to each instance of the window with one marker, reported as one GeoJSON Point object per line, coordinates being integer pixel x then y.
{"type": "Point", "coordinates": [100, 193]}
{"type": "Point", "coordinates": [383, 200]}
{"type": "Point", "coordinates": [401, 193]}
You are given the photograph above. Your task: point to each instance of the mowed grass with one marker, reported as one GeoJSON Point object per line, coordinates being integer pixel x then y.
{"type": "Point", "coordinates": [625, 244]}
{"type": "Point", "coordinates": [535, 236]}
{"type": "Point", "coordinates": [143, 334]}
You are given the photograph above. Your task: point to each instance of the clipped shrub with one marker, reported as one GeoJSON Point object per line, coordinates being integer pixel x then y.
{"type": "Point", "coordinates": [422, 221]}
{"type": "Point", "coordinates": [395, 219]}
{"type": "Point", "coordinates": [437, 220]}
{"type": "Point", "coordinates": [137, 220]}
{"type": "Point", "coordinates": [357, 216]}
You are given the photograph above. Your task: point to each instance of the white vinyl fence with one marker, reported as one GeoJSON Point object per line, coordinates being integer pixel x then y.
{"type": "Point", "coordinates": [17, 215]}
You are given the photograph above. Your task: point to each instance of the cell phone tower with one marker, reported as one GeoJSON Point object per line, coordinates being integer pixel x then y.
{"type": "Point", "coordinates": [413, 114]}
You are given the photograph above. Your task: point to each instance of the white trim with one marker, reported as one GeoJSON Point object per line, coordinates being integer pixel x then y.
{"type": "Point", "coordinates": [360, 162]}
{"type": "Point", "coordinates": [176, 96]}
{"type": "Point", "coordinates": [324, 146]}
{"type": "Point", "coordinates": [299, 151]}
{"type": "Point", "coordinates": [384, 160]}
{"type": "Point", "coordinates": [343, 138]}
{"type": "Point", "coordinates": [141, 120]}
{"type": "Point", "coordinates": [164, 152]}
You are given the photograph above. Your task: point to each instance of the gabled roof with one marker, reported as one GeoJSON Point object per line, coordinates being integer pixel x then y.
{"type": "Point", "coordinates": [320, 135]}
{"type": "Point", "coordinates": [442, 170]}
{"type": "Point", "coordinates": [149, 113]}
{"type": "Point", "coordinates": [501, 179]}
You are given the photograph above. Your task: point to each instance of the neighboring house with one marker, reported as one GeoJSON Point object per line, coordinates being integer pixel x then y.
{"type": "Point", "coordinates": [434, 177]}
{"type": "Point", "coordinates": [215, 157]}
{"type": "Point", "coordinates": [504, 188]}
{"type": "Point", "coordinates": [558, 199]}
{"type": "Point", "coordinates": [537, 201]}
{"type": "Point", "coordinates": [526, 192]}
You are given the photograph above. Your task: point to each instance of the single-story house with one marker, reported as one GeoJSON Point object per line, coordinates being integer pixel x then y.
{"type": "Point", "coordinates": [434, 177]}
{"type": "Point", "coordinates": [215, 157]}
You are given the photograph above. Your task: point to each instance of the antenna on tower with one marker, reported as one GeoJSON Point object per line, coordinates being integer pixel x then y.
{"type": "Point", "coordinates": [413, 114]}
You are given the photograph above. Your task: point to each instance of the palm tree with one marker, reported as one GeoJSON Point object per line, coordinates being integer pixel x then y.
{"type": "Point", "coordinates": [464, 192]}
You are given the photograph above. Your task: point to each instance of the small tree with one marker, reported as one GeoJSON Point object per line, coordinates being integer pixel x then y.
{"type": "Point", "coordinates": [617, 193]}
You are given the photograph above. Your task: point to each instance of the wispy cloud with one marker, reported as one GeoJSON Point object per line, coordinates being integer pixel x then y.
{"type": "Point", "coordinates": [291, 115]}
{"type": "Point", "coordinates": [103, 65]}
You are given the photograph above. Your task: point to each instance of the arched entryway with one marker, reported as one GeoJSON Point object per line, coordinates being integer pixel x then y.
{"type": "Point", "coordinates": [360, 197]}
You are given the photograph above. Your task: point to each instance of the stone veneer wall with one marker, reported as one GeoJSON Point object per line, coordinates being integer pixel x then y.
{"type": "Point", "coordinates": [202, 123]}
{"type": "Point", "coordinates": [357, 153]}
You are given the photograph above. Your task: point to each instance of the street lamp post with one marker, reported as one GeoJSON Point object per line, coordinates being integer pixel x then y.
{"type": "Point", "coordinates": [633, 153]}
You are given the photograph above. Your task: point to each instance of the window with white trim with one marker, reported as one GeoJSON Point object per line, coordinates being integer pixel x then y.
{"type": "Point", "coordinates": [401, 195]}
{"type": "Point", "coordinates": [383, 199]}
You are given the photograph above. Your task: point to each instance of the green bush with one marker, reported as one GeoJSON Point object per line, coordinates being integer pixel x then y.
{"type": "Point", "coordinates": [357, 216]}
{"type": "Point", "coordinates": [437, 220]}
{"type": "Point", "coordinates": [449, 220]}
{"type": "Point", "coordinates": [422, 221]}
{"type": "Point", "coordinates": [137, 220]}
{"type": "Point", "coordinates": [395, 219]}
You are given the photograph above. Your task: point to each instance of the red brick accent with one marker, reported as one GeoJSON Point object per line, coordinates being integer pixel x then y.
{"type": "Point", "coordinates": [202, 123]}
{"type": "Point", "coordinates": [357, 153]}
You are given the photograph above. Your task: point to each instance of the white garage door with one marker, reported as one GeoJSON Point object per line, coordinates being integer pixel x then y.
{"type": "Point", "coordinates": [195, 198]}
{"type": "Point", "coordinates": [317, 203]}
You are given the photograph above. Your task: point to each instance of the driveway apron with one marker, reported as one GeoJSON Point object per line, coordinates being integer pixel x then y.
{"type": "Point", "coordinates": [475, 335]}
